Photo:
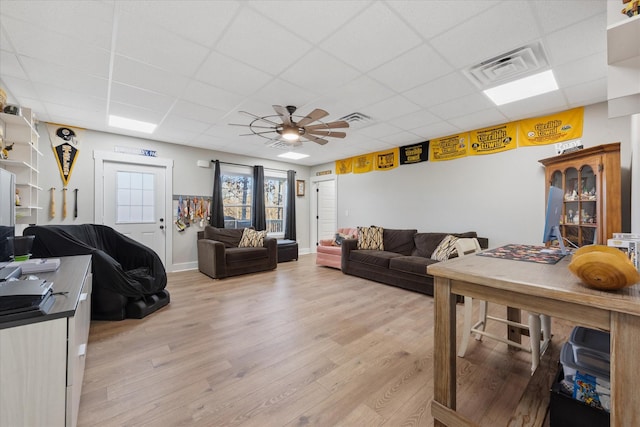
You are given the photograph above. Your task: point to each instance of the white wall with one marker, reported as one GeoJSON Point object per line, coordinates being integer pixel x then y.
{"type": "Point", "coordinates": [188, 179]}
{"type": "Point", "coordinates": [501, 196]}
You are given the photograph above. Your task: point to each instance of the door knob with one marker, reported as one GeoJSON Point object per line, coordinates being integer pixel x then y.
{"type": "Point", "coordinates": [162, 227]}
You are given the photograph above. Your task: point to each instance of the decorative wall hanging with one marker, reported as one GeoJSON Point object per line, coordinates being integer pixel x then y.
{"type": "Point", "coordinates": [65, 141]}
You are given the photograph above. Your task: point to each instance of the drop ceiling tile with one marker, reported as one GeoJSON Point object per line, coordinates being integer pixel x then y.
{"type": "Point", "coordinates": [438, 130]}
{"type": "Point", "coordinates": [582, 70]}
{"type": "Point", "coordinates": [372, 38]}
{"type": "Point", "coordinates": [209, 96]}
{"type": "Point", "coordinates": [359, 93]}
{"type": "Point", "coordinates": [227, 73]}
{"type": "Point", "coordinates": [396, 106]}
{"type": "Point", "coordinates": [48, 46]}
{"type": "Point", "coordinates": [133, 73]}
{"type": "Point", "coordinates": [488, 34]}
{"type": "Point", "coordinates": [256, 40]}
{"type": "Point", "coordinates": [590, 92]}
{"type": "Point", "coordinates": [135, 113]}
{"type": "Point", "coordinates": [414, 120]}
{"type": "Point", "coordinates": [281, 92]}
{"type": "Point", "coordinates": [200, 21]}
{"type": "Point", "coordinates": [479, 119]}
{"type": "Point", "coordinates": [451, 86]}
{"type": "Point", "coordinates": [18, 88]}
{"type": "Point", "coordinates": [141, 98]}
{"type": "Point", "coordinates": [57, 96]}
{"type": "Point", "coordinates": [378, 130]}
{"type": "Point", "coordinates": [197, 112]}
{"type": "Point", "coordinates": [319, 72]}
{"type": "Point", "coordinates": [10, 65]}
{"type": "Point", "coordinates": [462, 106]}
{"type": "Point", "coordinates": [64, 77]}
{"type": "Point", "coordinates": [153, 45]}
{"type": "Point", "coordinates": [311, 20]}
{"type": "Point", "coordinates": [90, 22]}
{"type": "Point", "coordinates": [413, 68]}
{"type": "Point", "coordinates": [577, 41]}
{"type": "Point", "coordinates": [552, 15]}
{"type": "Point", "coordinates": [537, 106]}
{"type": "Point", "coordinates": [430, 18]}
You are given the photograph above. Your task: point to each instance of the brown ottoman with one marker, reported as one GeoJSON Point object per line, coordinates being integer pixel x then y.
{"type": "Point", "coordinates": [287, 250]}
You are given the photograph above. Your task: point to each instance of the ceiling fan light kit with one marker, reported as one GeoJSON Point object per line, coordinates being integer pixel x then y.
{"type": "Point", "coordinates": [290, 131]}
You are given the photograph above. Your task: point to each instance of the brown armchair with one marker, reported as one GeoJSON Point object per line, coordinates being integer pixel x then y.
{"type": "Point", "coordinates": [219, 255]}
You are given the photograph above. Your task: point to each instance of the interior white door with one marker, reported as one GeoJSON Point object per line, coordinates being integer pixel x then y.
{"type": "Point", "coordinates": [326, 215]}
{"type": "Point", "coordinates": [134, 203]}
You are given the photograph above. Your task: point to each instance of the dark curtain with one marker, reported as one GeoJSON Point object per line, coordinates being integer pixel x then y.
{"type": "Point", "coordinates": [290, 206]}
{"type": "Point", "coordinates": [258, 214]}
{"type": "Point", "coordinates": [217, 210]}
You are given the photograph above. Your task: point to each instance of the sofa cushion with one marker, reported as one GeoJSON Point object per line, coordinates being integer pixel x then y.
{"type": "Point", "coordinates": [411, 264]}
{"type": "Point", "coordinates": [426, 243]}
{"type": "Point", "coordinates": [252, 238]}
{"type": "Point", "coordinates": [399, 241]}
{"type": "Point", "coordinates": [371, 238]}
{"type": "Point", "coordinates": [445, 248]}
{"type": "Point", "coordinates": [234, 255]}
{"type": "Point", "coordinates": [229, 236]}
{"type": "Point", "coordinates": [372, 257]}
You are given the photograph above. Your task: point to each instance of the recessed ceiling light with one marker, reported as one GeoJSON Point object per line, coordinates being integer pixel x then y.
{"type": "Point", "coordinates": [130, 124]}
{"type": "Point", "coordinates": [527, 87]}
{"type": "Point", "coordinates": [293, 155]}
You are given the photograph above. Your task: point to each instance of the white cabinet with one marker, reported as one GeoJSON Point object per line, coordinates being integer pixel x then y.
{"type": "Point", "coordinates": [23, 159]}
{"type": "Point", "coordinates": [42, 359]}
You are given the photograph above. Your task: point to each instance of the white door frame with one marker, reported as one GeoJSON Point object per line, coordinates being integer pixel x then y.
{"type": "Point", "coordinates": [100, 157]}
{"type": "Point", "coordinates": [313, 208]}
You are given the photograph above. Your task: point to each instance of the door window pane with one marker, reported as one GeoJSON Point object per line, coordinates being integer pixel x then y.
{"type": "Point", "coordinates": [136, 196]}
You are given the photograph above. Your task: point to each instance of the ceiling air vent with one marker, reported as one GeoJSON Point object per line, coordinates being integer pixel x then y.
{"type": "Point", "coordinates": [281, 145]}
{"type": "Point", "coordinates": [516, 64]}
{"type": "Point", "coordinates": [356, 119]}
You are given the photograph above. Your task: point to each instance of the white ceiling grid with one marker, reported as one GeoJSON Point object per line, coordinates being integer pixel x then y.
{"type": "Point", "coordinates": [191, 66]}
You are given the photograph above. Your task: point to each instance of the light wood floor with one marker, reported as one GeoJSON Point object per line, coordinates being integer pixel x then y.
{"type": "Point", "coordinates": [301, 345]}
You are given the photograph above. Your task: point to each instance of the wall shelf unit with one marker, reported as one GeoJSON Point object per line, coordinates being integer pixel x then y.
{"type": "Point", "coordinates": [590, 181]}
{"type": "Point", "coordinates": [623, 58]}
{"type": "Point", "coordinates": [21, 134]}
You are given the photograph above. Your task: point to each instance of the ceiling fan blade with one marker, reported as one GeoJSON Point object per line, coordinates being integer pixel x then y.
{"type": "Point", "coordinates": [316, 114]}
{"type": "Point", "coordinates": [332, 125]}
{"type": "Point", "coordinates": [326, 133]}
{"type": "Point", "coordinates": [283, 113]}
{"type": "Point", "coordinates": [259, 118]}
{"type": "Point", "coordinates": [315, 139]}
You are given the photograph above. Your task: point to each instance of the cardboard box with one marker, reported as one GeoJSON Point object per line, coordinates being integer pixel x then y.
{"type": "Point", "coordinates": [629, 246]}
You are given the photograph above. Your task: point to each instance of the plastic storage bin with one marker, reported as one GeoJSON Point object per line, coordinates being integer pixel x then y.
{"type": "Point", "coordinates": [591, 348]}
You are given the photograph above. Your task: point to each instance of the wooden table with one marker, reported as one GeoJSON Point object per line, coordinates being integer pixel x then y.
{"type": "Point", "coordinates": [541, 288]}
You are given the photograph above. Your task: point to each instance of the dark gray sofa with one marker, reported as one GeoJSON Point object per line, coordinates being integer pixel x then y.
{"type": "Point", "coordinates": [219, 255]}
{"type": "Point", "coordinates": [404, 260]}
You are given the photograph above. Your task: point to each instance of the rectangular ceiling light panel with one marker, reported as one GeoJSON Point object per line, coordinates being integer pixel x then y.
{"type": "Point", "coordinates": [130, 124]}
{"type": "Point", "coordinates": [524, 88]}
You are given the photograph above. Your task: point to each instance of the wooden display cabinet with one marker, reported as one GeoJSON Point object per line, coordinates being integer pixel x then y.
{"type": "Point", "coordinates": [590, 180]}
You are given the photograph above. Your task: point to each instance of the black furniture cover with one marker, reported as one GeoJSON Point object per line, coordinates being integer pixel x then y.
{"type": "Point", "coordinates": [124, 271]}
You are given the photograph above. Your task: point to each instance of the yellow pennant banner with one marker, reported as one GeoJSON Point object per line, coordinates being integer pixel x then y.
{"type": "Point", "coordinates": [65, 142]}
{"type": "Point", "coordinates": [493, 139]}
{"type": "Point", "coordinates": [551, 129]}
{"type": "Point", "coordinates": [449, 148]}
{"type": "Point", "coordinates": [363, 163]}
{"type": "Point", "coordinates": [387, 160]}
{"type": "Point", "coordinates": [344, 166]}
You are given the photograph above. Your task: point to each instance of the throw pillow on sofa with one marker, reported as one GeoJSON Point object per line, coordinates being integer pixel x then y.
{"type": "Point", "coordinates": [445, 249]}
{"type": "Point", "coordinates": [252, 238]}
{"type": "Point", "coordinates": [340, 237]}
{"type": "Point", "coordinates": [371, 238]}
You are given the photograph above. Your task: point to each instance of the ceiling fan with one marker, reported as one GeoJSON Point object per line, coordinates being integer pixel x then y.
{"type": "Point", "coordinates": [294, 129]}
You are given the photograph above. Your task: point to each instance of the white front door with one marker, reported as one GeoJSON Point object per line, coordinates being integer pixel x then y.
{"type": "Point", "coordinates": [134, 198]}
